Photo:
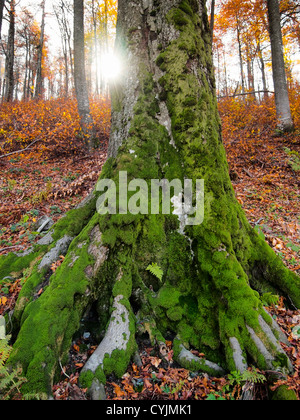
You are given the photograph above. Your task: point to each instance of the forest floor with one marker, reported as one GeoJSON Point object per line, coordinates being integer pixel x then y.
{"type": "Point", "coordinates": [265, 172]}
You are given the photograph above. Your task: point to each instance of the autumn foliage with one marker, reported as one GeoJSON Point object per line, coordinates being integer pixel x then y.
{"type": "Point", "coordinates": [54, 125]}
{"type": "Point", "coordinates": [44, 166]}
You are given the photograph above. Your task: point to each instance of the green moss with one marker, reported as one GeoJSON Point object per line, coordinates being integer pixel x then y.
{"type": "Point", "coordinates": [100, 375]}
{"type": "Point", "coordinates": [86, 379]}
{"type": "Point", "coordinates": [185, 7]}
{"type": "Point", "coordinates": [283, 393]}
{"type": "Point", "coordinates": [12, 265]}
{"type": "Point", "coordinates": [123, 286]}
{"type": "Point", "coordinates": [168, 297]}
{"type": "Point", "coordinates": [49, 322]}
{"type": "Point", "coordinates": [175, 313]}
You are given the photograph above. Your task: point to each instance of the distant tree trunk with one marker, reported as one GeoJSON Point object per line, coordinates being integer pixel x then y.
{"type": "Point", "coordinates": [39, 74]}
{"type": "Point", "coordinates": [26, 71]}
{"type": "Point", "coordinates": [96, 59]}
{"type": "Point", "coordinates": [81, 88]}
{"type": "Point", "coordinates": [10, 56]}
{"type": "Point", "coordinates": [284, 117]}
{"type": "Point", "coordinates": [240, 56]}
{"type": "Point", "coordinates": [1, 14]}
{"type": "Point", "coordinates": [262, 69]}
{"type": "Point", "coordinates": [212, 17]}
{"type": "Point", "coordinates": [66, 35]}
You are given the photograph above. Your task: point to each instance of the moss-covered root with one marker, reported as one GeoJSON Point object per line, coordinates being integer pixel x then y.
{"type": "Point", "coordinates": [191, 362]}
{"type": "Point", "coordinates": [268, 266]}
{"type": "Point", "coordinates": [261, 342]}
{"type": "Point", "coordinates": [52, 317]}
{"type": "Point", "coordinates": [115, 350]}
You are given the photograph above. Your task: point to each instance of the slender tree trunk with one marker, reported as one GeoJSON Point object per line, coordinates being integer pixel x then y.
{"type": "Point", "coordinates": [81, 87]}
{"type": "Point", "coordinates": [10, 55]}
{"type": "Point", "coordinates": [2, 2]}
{"type": "Point", "coordinates": [39, 73]}
{"type": "Point", "coordinates": [96, 58]}
{"type": "Point", "coordinates": [206, 273]}
{"type": "Point", "coordinates": [284, 117]}
{"type": "Point", "coordinates": [262, 69]}
{"type": "Point", "coordinates": [240, 57]}
{"type": "Point", "coordinates": [212, 17]}
{"type": "Point", "coordinates": [26, 72]}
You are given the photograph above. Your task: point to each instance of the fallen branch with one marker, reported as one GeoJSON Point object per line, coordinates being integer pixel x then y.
{"type": "Point", "coordinates": [11, 247]}
{"type": "Point", "coordinates": [246, 93]}
{"type": "Point", "coordinates": [20, 151]}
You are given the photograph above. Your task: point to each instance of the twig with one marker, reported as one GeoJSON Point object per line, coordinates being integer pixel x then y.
{"type": "Point", "coordinates": [11, 247]}
{"type": "Point", "coordinates": [62, 369]}
{"type": "Point", "coordinates": [247, 172]}
{"type": "Point", "coordinates": [245, 94]}
{"type": "Point", "coordinates": [22, 150]}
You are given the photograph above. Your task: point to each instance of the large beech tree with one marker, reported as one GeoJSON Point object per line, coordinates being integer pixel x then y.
{"type": "Point", "coordinates": [165, 125]}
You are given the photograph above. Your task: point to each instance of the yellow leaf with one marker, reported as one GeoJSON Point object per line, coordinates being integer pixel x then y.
{"type": "Point", "coordinates": [3, 300]}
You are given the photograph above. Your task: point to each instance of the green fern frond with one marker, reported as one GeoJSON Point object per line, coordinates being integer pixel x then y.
{"type": "Point", "coordinates": [254, 376]}
{"type": "Point", "coordinates": [156, 271]}
{"type": "Point", "coordinates": [10, 379]}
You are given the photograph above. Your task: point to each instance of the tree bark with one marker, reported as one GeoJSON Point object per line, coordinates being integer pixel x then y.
{"type": "Point", "coordinates": [81, 88]}
{"type": "Point", "coordinates": [262, 69]}
{"type": "Point", "coordinates": [10, 56]}
{"type": "Point", "coordinates": [39, 72]}
{"type": "Point", "coordinates": [2, 2]}
{"type": "Point", "coordinates": [284, 117]}
{"type": "Point", "coordinates": [240, 54]}
{"type": "Point", "coordinates": [165, 126]}
{"type": "Point", "coordinates": [212, 17]}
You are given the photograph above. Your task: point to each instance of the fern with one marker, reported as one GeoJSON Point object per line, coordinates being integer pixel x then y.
{"type": "Point", "coordinates": [11, 380]}
{"type": "Point", "coordinates": [254, 377]}
{"type": "Point", "coordinates": [156, 271]}
{"type": "Point", "coordinates": [239, 382]}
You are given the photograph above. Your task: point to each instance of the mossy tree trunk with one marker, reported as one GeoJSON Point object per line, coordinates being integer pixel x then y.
{"type": "Point", "coordinates": [165, 125]}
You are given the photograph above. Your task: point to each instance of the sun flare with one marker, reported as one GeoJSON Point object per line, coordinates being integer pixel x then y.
{"type": "Point", "coordinates": [111, 67]}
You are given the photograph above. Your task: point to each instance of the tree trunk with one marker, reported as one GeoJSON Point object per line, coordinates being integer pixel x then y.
{"type": "Point", "coordinates": [262, 69]}
{"type": "Point", "coordinates": [96, 58]}
{"type": "Point", "coordinates": [212, 17]}
{"type": "Point", "coordinates": [39, 72]}
{"type": "Point", "coordinates": [240, 55]}
{"type": "Point", "coordinates": [81, 88]}
{"type": "Point", "coordinates": [150, 271]}
{"type": "Point", "coordinates": [285, 122]}
{"type": "Point", "coordinates": [10, 56]}
{"type": "Point", "coordinates": [2, 2]}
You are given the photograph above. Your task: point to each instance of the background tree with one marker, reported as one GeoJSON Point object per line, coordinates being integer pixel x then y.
{"type": "Point", "coordinates": [62, 14]}
{"type": "Point", "coordinates": [39, 73]}
{"type": "Point", "coordinates": [28, 38]}
{"type": "Point", "coordinates": [2, 2]}
{"type": "Point", "coordinates": [10, 55]}
{"type": "Point", "coordinates": [285, 122]}
{"type": "Point", "coordinates": [81, 89]}
{"type": "Point", "coordinates": [207, 294]}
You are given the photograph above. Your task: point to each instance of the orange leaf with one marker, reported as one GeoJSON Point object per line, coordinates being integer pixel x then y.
{"type": "Point", "coordinates": [118, 391]}
{"type": "Point", "coordinates": [76, 348]}
{"type": "Point", "coordinates": [79, 365]}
